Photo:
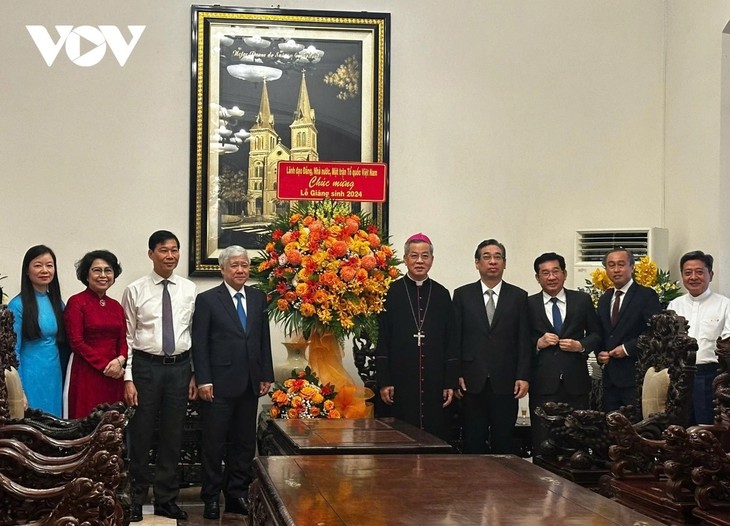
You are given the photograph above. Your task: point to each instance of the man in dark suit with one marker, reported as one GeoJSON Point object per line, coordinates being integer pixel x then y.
{"type": "Point", "coordinates": [564, 330]}
{"type": "Point", "coordinates": [492, 339]}
{"type": "Point", "coordinates": [624, 312]}
{"type": "Point", "coordinates": [233, 366]}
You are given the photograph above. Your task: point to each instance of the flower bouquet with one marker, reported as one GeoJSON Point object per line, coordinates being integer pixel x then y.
{"type": "Point", "coordinates": [326, 271]}
{"type": "Point", "coordinates": [302, 396]}
{"type": "Point", "coordinates": [325, 268]}
{"type": "Point", "coordinates": [646, 273]}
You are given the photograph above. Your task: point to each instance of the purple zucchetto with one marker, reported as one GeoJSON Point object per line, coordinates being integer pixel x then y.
{"type": "Point", "coordinates": [419, 237]}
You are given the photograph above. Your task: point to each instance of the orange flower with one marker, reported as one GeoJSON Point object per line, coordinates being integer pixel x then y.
{"type": "Point", "coordinates": [352, 224]}
{"type": "Point", "coordinates": [319, 297]}
{"type": "Point", "coordinates": [297, 401]}
{"type": "Point", "coordinates": [307, 220]}
{"type": "Point", "coordinates": [339, 249]}
{"type": "Point", "coordinates": [292, 414]}
{"type": "Point", "coordinates": [282, 305]}
{"type": "Point", "coordinates": [393, 272]}
{"type": "Point", "coordinates": [290, 296]}
{"type": "Point", "coordinates": [314, 411]}
{"type": "Point", "coordinates": [374, 240]}
{"type": "Point", "coordinates": [302, 289]}
{"type": "Point", "coordinates": [286, 238]}
{"type": "Point", "coordinates": [294, 219]}
{"type": "Point", "coordinates": [316, 226]}
{"type": "Point", "coordinates": [293, 257]}
{"type": "Point", "coordinates": [309, 391]}
{"type": "Point", "coordinates": [368, 262]}
{"type": "Point", "coordinates": [329, 405]}
{"type": "Point", "coordinates": [347, 273]}
{"type": "Point", "coordinates": [274, 412]}
{"type": "Point", "coordinates": [333, 414]}
{"type": "Point", "coordinates": [279, 397]}
{"type": "Point", "coordinates": [307, 309]}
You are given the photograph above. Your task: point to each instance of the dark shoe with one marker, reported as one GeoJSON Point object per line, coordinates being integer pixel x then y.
{"type": "Point", "coordinates": [170, 510]}
{"type": "Point", "coordinates": [211, 510]}
{"type": "Point", "coordinates": [237, 505]}
{"type": "Point", "coordinates": [135, 514]}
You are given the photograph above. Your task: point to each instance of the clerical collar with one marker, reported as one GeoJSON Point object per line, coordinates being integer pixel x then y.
{"type": "Point", "coordinates": [418, 283]}
{"type": "Point", "coordinates": [701, 297]}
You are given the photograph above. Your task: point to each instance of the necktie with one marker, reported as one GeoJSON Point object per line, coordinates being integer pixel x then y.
{"type": "Point", "coordinates": [168, 332]}
{"type": "Point", "coordinates": [490, 306]}
{"type": "Point", "coordinates": [239, 309]}
{"type": "Point", "coordinates": [616, 307]}
{"type": "Point", "coordinates": [557, 318]}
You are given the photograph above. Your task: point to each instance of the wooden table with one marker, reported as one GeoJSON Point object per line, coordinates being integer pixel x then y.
{"type": "Point", "coordinates": [320, 436]}
{"type": "Point", "coordinates": [423, 490]}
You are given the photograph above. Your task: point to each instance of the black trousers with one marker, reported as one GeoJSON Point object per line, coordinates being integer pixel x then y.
{"type": "Point", "coordinates": [489, 417]}
{"type": "Point", "coordinates": [161, 390]}
{"type": "Point", "coordinates": [229, 435]}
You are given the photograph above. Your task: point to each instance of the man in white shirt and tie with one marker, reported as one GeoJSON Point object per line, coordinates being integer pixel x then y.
{"type": "Point", "coordinates": [708, 314]}
{"type": "Point", "coordinates": [158, 376]}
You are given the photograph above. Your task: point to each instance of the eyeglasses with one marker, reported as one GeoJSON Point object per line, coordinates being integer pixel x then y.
{"type": "Point", "coordinates": [98, 271]}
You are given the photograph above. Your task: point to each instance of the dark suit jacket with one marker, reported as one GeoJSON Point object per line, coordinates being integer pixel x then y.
{"type": "Point", "coordinates": [223, 354]}
{"type": "Point", "coordinates": [638, 305]}
{"type": "Point", "coordinates": [551, 364]}
{"type": "Point", "coordinates": [501, 352]}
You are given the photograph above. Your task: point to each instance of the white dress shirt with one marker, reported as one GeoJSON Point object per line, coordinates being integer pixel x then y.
{"type": "Point", "coordinates": [709, 318]}
{"type": "Point", "coordinates": [562, 304]}
{"type": "Point", "coordinates": [142, 303]}
{"type": "Point", "coordinates": [233, 293]}
{"type": "Point", "coordinates": [497, 289]}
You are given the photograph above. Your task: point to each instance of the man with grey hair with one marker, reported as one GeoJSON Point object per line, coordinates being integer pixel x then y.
{"type": "Point", "coordinates": [233, 368]}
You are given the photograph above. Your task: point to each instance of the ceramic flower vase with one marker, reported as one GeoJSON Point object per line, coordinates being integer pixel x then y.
{"type": "Point", "coordinates": [295, 360]}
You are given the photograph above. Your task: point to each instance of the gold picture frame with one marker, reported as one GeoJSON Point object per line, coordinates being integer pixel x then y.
{"type": "Point", "coordinates": [270, 85]}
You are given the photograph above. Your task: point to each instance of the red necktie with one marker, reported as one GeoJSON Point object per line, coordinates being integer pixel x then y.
{"type": "Point", "coordinates": [616, 307]}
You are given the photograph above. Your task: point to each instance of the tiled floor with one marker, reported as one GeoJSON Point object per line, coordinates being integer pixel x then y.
{"type": "Point", "coordinates": [189, 500]}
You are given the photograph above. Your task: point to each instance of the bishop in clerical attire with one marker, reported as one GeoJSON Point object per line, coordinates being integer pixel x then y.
{"type": "Point", "coordinates": [417, 369]}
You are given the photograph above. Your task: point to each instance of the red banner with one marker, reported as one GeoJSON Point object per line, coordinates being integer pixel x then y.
{"type": "Point", "coordinates": [315, 181]}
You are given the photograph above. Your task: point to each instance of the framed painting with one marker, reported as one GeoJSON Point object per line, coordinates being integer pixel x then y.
{"type": "Point", "coordinates": [272, 85]}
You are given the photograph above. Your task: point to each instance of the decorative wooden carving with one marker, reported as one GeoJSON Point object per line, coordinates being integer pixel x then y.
{"type": "Point", "coordinates": [709, 444]}
{"type": "Point", "coordinates": [578, 444]}
{"type": "Point", "coordinates": [640, 447]}
{"type": "Point", "coordinates": [56, 472]}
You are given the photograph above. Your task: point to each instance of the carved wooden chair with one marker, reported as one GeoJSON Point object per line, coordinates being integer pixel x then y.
{"type": "Point", "coordinates": [584, 445]}
{"type": "Point", "coordinates": [704, 466]}
{"type": "Point", "coordinates": [56, 472]}
{"type": "Point", "coordinates": [643, 441]}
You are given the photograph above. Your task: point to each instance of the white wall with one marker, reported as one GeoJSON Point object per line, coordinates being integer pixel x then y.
{"type": "Point", "coordinates": [520, 120]}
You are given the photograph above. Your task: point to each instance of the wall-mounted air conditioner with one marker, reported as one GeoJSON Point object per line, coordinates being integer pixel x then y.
{"type": "Point", "coordinates": [591, 245]}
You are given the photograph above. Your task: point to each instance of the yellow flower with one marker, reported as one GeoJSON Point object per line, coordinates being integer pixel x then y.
{"type": "Point", "coordinates": [600, 280]}
{"type": "Point", "coordinates": [645, 272]}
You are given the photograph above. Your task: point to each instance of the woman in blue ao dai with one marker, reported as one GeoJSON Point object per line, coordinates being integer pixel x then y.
{"type": "Point", "coordinates": [39, 328]}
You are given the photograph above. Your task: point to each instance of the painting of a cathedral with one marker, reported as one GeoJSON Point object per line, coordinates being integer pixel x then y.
{"type": "Point", "coordinates": [267, 149]}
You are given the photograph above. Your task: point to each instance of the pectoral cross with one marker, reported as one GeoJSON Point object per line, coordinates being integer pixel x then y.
{"type": "Point", "coordinates": [420, 337]}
